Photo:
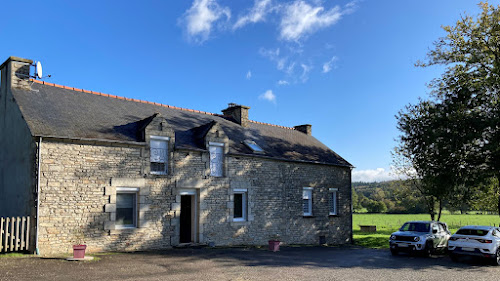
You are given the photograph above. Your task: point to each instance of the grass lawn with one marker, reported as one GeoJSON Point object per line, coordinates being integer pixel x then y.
{"type": "Point", "coordinates": [388, 223]}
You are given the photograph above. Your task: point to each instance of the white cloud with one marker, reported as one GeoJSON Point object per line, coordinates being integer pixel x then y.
{"type": "Point", "coordinates": [249, 75]}
{"type": "Point", "coordinates": [301, 19]}
{"type": "Point", "coordinates": [269, 96]}
{"type": "Point", "coordinates": [258, 12]}
{"type": "Point", "coordinates": [305, 72]}
{"type": "Point", "coordinates": [283, 82]}
{"type": "Point", "coordinates": [376, 175]}
{"type": "Point", "coordinates": [350, 7]}
{"type": "Point", "coordinates": [274, 56]}
{"type": "Point", "coordinates": [201, 17]}
{"type": "Point", "coordinates": [327, 66]}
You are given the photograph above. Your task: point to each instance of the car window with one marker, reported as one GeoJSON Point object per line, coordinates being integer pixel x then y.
{"type": "Point", "coordinates": [475, 232]}
{"type": "Point", "coordinates": [440, 227]}
{"type": "Point", "coordinates": [415, 226]}
{"type": "Point", "coordinates": [435, 227]}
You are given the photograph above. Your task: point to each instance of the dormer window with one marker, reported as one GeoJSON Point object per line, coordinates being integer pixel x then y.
{"type": "Point", "coordinates": [254, 146]}
{"type": "Point", "coordinates": [159, 155]}
{"type": "Point", "coordinates": [216, 159]}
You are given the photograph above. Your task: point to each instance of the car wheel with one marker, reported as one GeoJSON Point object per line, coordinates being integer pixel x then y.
{"type": "Point", "coordinates": [496, 260]}
{"type": "Point", "coordinates": [394, 252]}
{"type": "Point", "coordinates": [454, 257]}
{"type": "Point", "coordinates": [428, 249]}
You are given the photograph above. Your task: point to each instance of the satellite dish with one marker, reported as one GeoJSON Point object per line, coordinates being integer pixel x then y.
{"type": "Point", "coordinates": [39, 71]}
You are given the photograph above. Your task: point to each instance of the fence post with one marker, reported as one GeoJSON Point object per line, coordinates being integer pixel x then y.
{"type": "Point", "coordinates": [28, 219]}
{"type": "Point", "coordinates": [1, 233]}
{"type": "Point", "coordinates": [6, 241]}
{"type": "Point", "coordinates": [12, 220]}
{"type": "Point", "coordinates": [17, 241]}
{"type": "Point", "coordinates": [21, 237]}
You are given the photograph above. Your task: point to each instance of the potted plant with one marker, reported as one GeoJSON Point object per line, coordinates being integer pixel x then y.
{"type": "Point", "coordinates": [79, 245]}
{"type": "Point", "coordinates": [274, 243]}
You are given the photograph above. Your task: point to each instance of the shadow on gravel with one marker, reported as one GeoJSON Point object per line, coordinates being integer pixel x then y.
{"type": "Point", "coordinates": [324, 257]}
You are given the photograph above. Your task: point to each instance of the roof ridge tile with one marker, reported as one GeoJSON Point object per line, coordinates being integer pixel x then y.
{"type": "Point", "coordinates": [146, 102]}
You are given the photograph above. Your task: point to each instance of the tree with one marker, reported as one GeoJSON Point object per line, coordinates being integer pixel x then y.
{"type": "Point", "coordinates": [451, 143]}
{"type": "Point", "coordinates": [423, 153]}
{"type": "Point", "coordinates": [471, 52]}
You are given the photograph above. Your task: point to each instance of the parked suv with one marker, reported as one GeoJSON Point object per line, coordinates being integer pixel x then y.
{"type": "Point", "coordinates": [474, 240]}
{"type": "Point", "coordinates": [422, 237]}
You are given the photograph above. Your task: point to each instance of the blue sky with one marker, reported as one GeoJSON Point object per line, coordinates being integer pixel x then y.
{"type": "Point", "coordinates": [346, 67]}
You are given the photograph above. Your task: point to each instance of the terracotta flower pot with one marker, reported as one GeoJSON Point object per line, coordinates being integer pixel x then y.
{"type": "Point", "coordinates": [79, 251]}
{"type": "Point", "coordinates": [274, 245]}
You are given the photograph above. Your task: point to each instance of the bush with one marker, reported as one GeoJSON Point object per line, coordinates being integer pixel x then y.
{"type": "Point", "coordinates": [376, 207]}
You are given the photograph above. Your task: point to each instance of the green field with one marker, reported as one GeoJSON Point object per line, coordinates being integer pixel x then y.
{"type": "Point", "coordinates": [388, 223]}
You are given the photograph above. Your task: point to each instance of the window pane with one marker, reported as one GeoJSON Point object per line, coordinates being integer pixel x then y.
{"type": "Point", "coordinates": [158, 151]}
{"type": "Point", "coordinates": [125, 208]}
{"type": "Point", "coordinates": [307, 201]}
{"type": "Point", "coordinates": [158, 167]}
{"type": "Point", "coordinates": [305, 206]}
{"type": "Point", "coordinates": [333, 202]}
{"type": "Point", "coordinates": [305, 194]}
{"type": "Point", "coordinates": [216, 160]}
{"type": "Point", "coordinates": [238, 205]}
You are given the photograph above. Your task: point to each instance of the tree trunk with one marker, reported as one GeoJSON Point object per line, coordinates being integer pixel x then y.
{"type": "Point", "coordinates": [498, 191]}
{"type": "Point", "coordinates": [440, 209]}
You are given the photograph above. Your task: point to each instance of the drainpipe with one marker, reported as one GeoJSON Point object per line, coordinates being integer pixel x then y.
{"type": "Point", "coordinates": [37, 251]}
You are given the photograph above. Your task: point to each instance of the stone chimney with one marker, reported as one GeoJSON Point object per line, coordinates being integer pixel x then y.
{"type": "Point", "coordinates": [239, 113]}
{"type": "Point", "coordinates": [306, 129]}
{"type": "Point", "coordinates": [16, 73]}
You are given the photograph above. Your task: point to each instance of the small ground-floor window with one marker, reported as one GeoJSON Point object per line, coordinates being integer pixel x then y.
{"type": "Point", "coordinates": [126, 207]}
{"type": "Point", "coordinates": [240, 205]}
{"type": "Point", "coordinates": [332, 201]}
{"type": "Point", "coordinates": [307, 201]}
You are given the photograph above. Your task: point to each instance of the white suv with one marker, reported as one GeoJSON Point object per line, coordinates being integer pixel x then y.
{"type": "Point", "coordinates": [474, 240]}
{"type": "Point", "coordinates": [420, 237]}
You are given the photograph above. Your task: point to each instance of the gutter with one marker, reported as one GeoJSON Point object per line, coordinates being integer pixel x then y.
{"type": "Point", "coordinates": [135, 143]}
{"type": "Point", "coordinates": [37, 251]}
{"type": "Point", "coordinates": [288, 160]}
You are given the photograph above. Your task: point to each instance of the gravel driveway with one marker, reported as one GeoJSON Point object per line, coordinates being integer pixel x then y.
{"type": "Point", "coordinates": [301, 263]}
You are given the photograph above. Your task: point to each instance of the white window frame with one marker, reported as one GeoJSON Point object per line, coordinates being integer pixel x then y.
{"type": "Point", "coordinates": [216, 144]}
{"type": "Point", "coordinates": [166, 140]}
{"type": "Point", "coordinates": [309, 191]}
{"type": "Point", "coordinates": [244, 203]}
{"type": "Point", "coordinates": [129, 190]}
{"type": "Point", "coordinates": [333, 198]}
{"type": "Point", "coordinates": [253, 146]}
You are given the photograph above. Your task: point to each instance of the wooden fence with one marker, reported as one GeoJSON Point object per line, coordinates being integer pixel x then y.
{"type": "Point", "coordinates": [14, 234]}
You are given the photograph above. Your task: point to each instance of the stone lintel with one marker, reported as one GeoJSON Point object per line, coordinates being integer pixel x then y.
{"type": "Point", "coordinates": [128, 182]}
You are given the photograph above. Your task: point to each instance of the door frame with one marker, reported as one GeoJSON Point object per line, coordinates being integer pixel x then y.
{"type": "Point", "coordinates": [194, 212]}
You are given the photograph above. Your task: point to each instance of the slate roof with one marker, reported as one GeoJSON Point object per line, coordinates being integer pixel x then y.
{"type": "Point", "coordinates": [52, 111]}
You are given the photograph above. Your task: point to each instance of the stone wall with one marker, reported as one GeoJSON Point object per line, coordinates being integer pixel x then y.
{"type": "Point", "coordinates": [78, 193]}
{"type": "Point", "coordinates": [18, 149]}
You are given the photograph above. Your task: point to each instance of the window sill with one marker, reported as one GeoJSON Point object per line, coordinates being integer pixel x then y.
{"type": "Point", "coordinates": [123, 227]}
{"type": "Point", "coordinates": [238, 223]}
{"type": "Point", "coordinates": [158, 175]}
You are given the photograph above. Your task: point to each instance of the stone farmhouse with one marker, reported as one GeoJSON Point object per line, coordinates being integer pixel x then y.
{"type": "Point", "coordinates": [122, 174]}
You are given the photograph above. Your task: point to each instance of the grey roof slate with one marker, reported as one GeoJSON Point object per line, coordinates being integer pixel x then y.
{"type": "Point", "coordinates": [65, 113]}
